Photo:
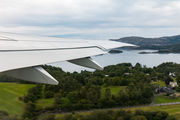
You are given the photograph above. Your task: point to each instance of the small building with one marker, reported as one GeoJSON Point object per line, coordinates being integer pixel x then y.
{"type": "Point", "coordinates": [165, 89]}
{"type": "Point", "coordinates": [172, 74]}
{"type": "Point", "coordinates": [173, 84]}
{"type": "Point", "coordinates": [131, 67]}
{"type": "Point", "coordinates": [106, 75]}
{"type": "Point", "coordinates": [127, 73]}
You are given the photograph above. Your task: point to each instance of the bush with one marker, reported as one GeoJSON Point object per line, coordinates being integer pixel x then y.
{"type": "Point", "coordinates": [52, 107]}
{"type": "Point", "coordinates": [20, 98]}
{"type": "Point", "coordinates": [4, 113]}
{"type": "Point", "coordinates": [29, 110]}
{"type": "Point", "coordinates": [26, 99]}
{"type": "Point", "coordinates": [48, 94]}
{"type": "Point", "coordinates": [57, 98]}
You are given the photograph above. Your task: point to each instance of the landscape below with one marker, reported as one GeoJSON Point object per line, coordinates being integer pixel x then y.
{"type": "Point", "coordinates": [118, 85]}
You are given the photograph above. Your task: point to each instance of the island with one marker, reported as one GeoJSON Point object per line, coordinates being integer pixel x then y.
{"type": "Point", "coordinates": [147, 52]}
{"type": "Point", "coordinates": [160, 52]}
{"type": "Point", "coordinates": [115, 51]}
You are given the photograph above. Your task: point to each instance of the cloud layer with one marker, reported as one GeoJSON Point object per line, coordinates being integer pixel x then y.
{"type": "Point", "coordinates": [93, 19]}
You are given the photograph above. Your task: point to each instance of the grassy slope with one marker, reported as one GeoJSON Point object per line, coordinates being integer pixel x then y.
{"type": "Point", "coordinates": [9, 93]}
{"type": "Point", "coordinates": [161, 99]}
{"type": "Point", "coordinates": [45, 102]}
{"type": "Point", "coordinates": [171, 109]}
{"type": "Point", "coordinates": [114, 89]}
{"type": "Point", "coordinates": [160, 83]}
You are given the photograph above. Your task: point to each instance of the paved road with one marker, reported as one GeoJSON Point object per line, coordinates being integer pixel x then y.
{"type": "Point", "coordinates": [152, 104]}
{"type": "Point", "coordinates": [154, 100]}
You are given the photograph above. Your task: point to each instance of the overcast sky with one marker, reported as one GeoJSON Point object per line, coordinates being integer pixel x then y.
{"type": "Point", "coordinates": [91, 19]}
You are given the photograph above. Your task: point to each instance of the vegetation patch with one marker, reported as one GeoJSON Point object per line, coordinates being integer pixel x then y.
{"type": "Point", "coordinates": [161, 99]}
{"type": "Point", "coordinates": [114, 89]}
{"type": "Point", "coordinates": [160, 83]}
{"type": "Point", "coordinates": [45, 102]}
{"type": "Point", "coordinates": [170, 109]}
{"type": "Point", "coordinates": [9, 93]}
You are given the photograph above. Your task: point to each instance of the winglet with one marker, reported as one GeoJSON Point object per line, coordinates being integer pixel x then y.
{"type": "Point", "coordinates": [33, 74]}
{"type": "Point", "coordinates": [86, 62]}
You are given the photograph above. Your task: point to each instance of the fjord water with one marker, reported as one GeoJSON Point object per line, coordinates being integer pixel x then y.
{"type": "Point", "coordinates": [128, 56]}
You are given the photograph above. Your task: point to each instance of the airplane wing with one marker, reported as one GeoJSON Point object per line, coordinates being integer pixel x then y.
{"type": "Point", "coordinates": [21, 54]}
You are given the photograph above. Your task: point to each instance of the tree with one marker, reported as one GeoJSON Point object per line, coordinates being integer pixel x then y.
{"type": "Point", "coordinates": [100, 115]}
{"type": "Point", "coordinates": [34, 90]}
{"type": "Point", "coordinates": [65, 103]}
{"type": "Point", "coordinates": [178, 79]}
{"type": "Point", "coordinates": [107, 93]}
{"type": "Point", "coordinates": [39, 87]}
{"type": "Point", "coordinates": [31, 97]}
{"type": "Point", "coordinates": [139, 112]}
{"type": "Point", "coordinates": [137, 66]}
{"type": "Point", "coordinates": [72, 96]}
{"type": "Point", "coordinates": [122, 96]}
{"type": "Point", "coordinates": [161, 115]}
{"type": "Point", "coordinates": [147, 93]}
{"type": "Point", "coordinates": [117, 81]}
{"type": "Point", "coordinates": [57, 98]}
{"type": "Point", "coordinates": [106, 81]}
{"type": "Point", "coordinates": [168, 80]}
{"type": "Point", "coordinates": [28, 110]}
{"type": "Point", "coordinates": [26, 99]}
{"type": "Point", "coordinates": [48, 94]}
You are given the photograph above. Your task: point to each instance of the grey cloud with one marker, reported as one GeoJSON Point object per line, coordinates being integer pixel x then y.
{"type": "Point", "coordinates": [101, 18]}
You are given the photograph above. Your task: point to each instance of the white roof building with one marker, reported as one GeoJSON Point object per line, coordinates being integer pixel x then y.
{"type": "Point", "coordinates": [173, 84]}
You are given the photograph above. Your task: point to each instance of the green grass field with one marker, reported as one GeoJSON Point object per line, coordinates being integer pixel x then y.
{"type": "Point", "coordinates": [9, 93]}
{"type": "Point", "coordinates": [174, 79]}
{"type": "Point", "coordinates": [114, 89]}
{"type": "Point", "coordinates": [161, 99]}
{"type": "Point", "coordinates": [45, 102]}
{"type": "Point", "coordinates": [160, 83]}
{"type": "Point", "coordinates": [171, 109]}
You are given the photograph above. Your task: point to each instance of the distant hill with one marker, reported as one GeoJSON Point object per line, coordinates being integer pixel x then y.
{"type": "Point", "coordinates": [174, 48]}
{"type": "Point", "coordinates": [150, 43]}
